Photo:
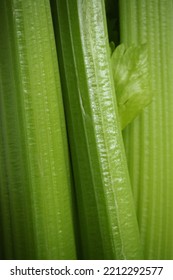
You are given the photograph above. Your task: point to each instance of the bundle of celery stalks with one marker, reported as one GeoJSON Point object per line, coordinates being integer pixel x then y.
{"type": "Point", "coordinates": [86, 129]}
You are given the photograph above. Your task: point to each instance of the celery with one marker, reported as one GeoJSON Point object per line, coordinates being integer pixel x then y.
{"type": "Point", "coordinates": [35, 197]}
{"type": "Point", "coordinates": [107, 219]}
{"type": "Point", "coordinates": [149, 139]}
{"type": "Point", "coordinates": [131, 79]}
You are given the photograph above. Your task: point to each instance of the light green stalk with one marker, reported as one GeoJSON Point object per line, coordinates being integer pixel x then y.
{"type": "Point", "coordinates": [108, 224]}
{"type": "Point", "coordinates": [35, 196]}
{"type": "Point", "coordinates": [149, 139]}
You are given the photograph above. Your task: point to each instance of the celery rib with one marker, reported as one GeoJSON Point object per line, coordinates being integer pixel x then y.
{"type": "Point", "coordinates": [35, 191]}
{"type": "Point", "coordinates": [148, 140]}
{"type": "Point", "coordinates": [107, 221]}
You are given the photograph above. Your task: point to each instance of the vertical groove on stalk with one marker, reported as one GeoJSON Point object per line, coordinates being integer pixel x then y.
{"type": "Point", "coordinates": [102, 184]}
{"type": "Point", "coordinates": [35, 191]}
{"type": "Point", "coordinates": [150, 134]}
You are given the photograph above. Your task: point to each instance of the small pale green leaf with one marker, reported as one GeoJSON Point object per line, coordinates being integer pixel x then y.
{"type": "Point", "coordinates": [131, 79]}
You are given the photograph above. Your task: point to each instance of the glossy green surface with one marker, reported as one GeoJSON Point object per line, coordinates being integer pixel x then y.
{"type": "Point", "coordinates": [35, 196]}
{"type": "Point", "coordinates": [108, 224]}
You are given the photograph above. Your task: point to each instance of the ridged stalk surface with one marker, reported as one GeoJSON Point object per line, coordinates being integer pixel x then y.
{"type": "Point", "coordinates": [35, 193]}
{"type": "Point", "coordinates": [149, 139]}
{"type": "Point", "coordinates": [108, 226]}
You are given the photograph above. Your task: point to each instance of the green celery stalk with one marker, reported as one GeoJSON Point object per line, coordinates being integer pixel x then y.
{"type": "Point", "coordinates": [149, 139]}
{"type": "Point", "coordinates": [35, 194]}
{"type": "Point", "coordinates": [108, 225]}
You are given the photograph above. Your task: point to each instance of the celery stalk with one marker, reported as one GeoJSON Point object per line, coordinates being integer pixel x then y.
{"type": "Point", "coordinates": [107, 219]}
{"type": "Point", "coordinates": [35, 194]}
{"type": "Point", "coordinates": [149, 139]}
